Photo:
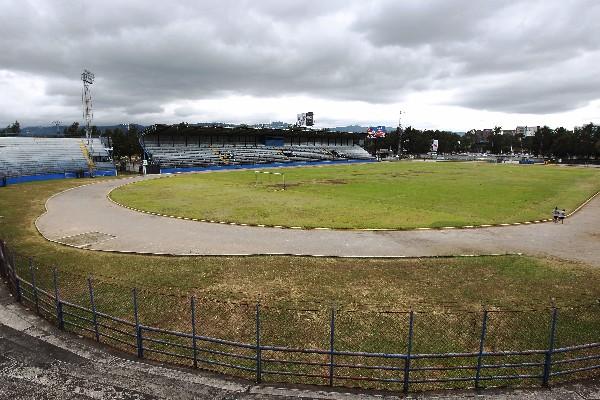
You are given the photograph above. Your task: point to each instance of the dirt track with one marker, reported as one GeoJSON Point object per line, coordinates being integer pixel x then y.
{"type": "Point", "coordinates": [84, 217]}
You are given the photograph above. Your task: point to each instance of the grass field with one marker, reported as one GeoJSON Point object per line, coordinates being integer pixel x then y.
{"type": "Point", "coordinates": [383, 195]}
{"type": "Point", "coordinates": [401, 283]}
{"type": "Point", "coordinates": [503, 281]}
{"type": "Point", "coordinates": [297, 292]}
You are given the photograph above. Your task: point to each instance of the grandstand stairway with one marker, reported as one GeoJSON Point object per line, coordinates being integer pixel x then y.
{"type": "Point", "coordinates": [87, 156]}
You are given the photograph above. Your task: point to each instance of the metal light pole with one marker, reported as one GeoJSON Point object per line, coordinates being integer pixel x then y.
{"type": "Point", "coordinates": [88, 79]}
{"type": "Point", "coordinates": [400, 136]}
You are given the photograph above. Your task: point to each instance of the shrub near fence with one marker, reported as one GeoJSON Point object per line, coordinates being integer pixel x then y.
{"type": "Point", "coordinates": [393, 350]}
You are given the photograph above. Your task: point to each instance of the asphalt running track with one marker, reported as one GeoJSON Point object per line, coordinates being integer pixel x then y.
{"type": "Point", "coordinates": [84, 217]}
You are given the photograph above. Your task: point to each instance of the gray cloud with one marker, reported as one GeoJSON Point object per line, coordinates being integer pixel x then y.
{"type": "Point", "coordinates": [508, 56]}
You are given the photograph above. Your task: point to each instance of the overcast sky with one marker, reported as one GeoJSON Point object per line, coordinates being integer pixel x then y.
{"type": "Point", "coordinates": [447, 64]}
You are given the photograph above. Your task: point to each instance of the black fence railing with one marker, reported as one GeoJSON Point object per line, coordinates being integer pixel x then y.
{"type": "Point", "coordinates": [336, 362]}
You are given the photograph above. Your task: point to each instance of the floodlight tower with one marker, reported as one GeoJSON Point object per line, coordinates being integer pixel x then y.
{"type": "Point", "coordinates": [400, 136]}
{"type": "Point", "coordinates": [86, 98]}
{"type": "Point", "coordinates": [57, 124]}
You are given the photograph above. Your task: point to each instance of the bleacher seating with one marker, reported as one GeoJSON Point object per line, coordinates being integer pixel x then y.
{"type": "Point", "coordinates": [27, 156]}
{"type": "Point", "coordinates": [181, 156]}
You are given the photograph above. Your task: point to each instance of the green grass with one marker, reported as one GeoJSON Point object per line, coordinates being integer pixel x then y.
{"type": "Point", "coordinates": [383, 195]}
{"type": "Point", "coordinates": [278, 280]}
{"type": "Point", "coordinates": [297, 292]}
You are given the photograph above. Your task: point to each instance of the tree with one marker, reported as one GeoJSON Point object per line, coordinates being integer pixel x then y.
{"type": "Point", "coordinates": [547, 139]}
{"type": "Point", "coordinates": [14, 128]}
{"type": "Point", "coordinates": [496, 140]}
{"type": "Point", "coordinates": [585, 140]}
{"type": "Point", "coordinates": [518, 142]}
{"type": "Point", "coordinates": [125, 144]}
{"type": "Point", "coordinates": [73, 130]}
{"type": "Point", "coordinates": [562, 145]}
{"type": "Point", "coordinates": [467, 142]}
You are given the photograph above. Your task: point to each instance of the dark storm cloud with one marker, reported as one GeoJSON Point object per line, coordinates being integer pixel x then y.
{"type": "Point", "coordinates": [519, 57]}
{"type": "Point", "coordinates": [419, 23]}
{"type": "Point", "coordinates": [146, 55]}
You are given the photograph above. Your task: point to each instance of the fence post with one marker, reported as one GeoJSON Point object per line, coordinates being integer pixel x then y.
{"type": "Point", "coordinates": [258, 347]}
{"type": "Point", "coordinates": [10, 259]}
{"type": "Point", "coordinates": [93, 304]}
{"type": "Point", "coordinates": [411, 320]}
{"type": "Point", "coordinates": [193, 306]}
{"type": "Point", "coordinates": [35, 293]}
{"type": "Point", "coordinates": [331, 344]}
{"type": "Point", "coordinates": [3, 263]}
{"type": "Point", "coordinates": [481, 347]}
{"type": "Point", "coordinates": [138, 327]}
{"type": "Point", "coordinates": [548, 358]}
{"type": "Point", "coordinates": [59, 312]}
{"type": "Point", "coordinates": [9, 262]}
{"type": "Point", "coordinates": [18, 290]}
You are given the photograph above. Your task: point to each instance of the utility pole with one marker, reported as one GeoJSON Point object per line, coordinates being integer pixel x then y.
{"type": "Point", "coordinates": [400, 135]}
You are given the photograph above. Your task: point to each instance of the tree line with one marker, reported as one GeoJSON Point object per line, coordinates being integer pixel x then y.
{"type": "Point", "coordinates": [124, 142]}
{"type": "Point", "coordinates": [11, 130]}
{"type": "Point", "coordinates": [582, 142]}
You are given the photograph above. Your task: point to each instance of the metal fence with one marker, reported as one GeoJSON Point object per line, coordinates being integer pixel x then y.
{"type": "Point", "coordinates": [393, 350]}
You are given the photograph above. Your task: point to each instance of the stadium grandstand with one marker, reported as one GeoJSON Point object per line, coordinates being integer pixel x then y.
{"type": "Point", "coordinates": [179, 147]}
{"type": "Point", "coordinates": [24, 159]}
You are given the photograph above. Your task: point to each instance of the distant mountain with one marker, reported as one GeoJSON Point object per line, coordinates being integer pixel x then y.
{"type": "Point", "coordinates": [350, 128]}
{"type": "Point", "coordinates": [41, 131]}
{"type": "Point", "coordinates": [50, 131]}
{"type": "Point", "coordinates": [358, 128]}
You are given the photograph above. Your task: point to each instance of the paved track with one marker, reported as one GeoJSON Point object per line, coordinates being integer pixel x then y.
{"type": "Point", "coordinates": [37, 361]}
{"type": "Point", "coordinates": [86, 209]}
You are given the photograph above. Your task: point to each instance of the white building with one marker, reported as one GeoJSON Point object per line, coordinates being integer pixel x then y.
{"type": "Point", "coordinates": [527, 130]}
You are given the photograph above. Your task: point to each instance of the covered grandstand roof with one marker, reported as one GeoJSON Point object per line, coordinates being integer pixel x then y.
{"type": "Point", "coordinates": [192, 129]}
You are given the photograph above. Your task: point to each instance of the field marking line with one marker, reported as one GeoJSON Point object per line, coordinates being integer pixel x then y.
{"type": "Point", "coordinates": [584, 204]}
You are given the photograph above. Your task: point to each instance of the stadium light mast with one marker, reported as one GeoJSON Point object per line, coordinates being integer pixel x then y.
{"type": "Point", "coordinates": [57, 123]}
{"type": "Point", "coordinates": [86, 98]}
{"type": "Point", "coordinates": [400, 135]}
